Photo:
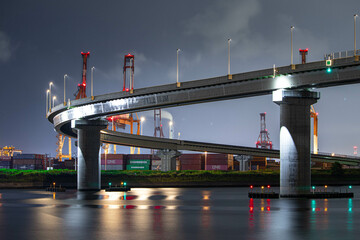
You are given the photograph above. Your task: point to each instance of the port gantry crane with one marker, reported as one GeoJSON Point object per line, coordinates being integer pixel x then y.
{"type": "Point", "coordinates": [81, 93]}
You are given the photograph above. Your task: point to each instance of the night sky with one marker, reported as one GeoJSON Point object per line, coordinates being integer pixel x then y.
{"type": "Point", "coordinates": [41, 40]}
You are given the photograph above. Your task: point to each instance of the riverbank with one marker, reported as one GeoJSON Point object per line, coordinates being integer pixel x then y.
{"type": "Point", "coordinates": [10, 178]}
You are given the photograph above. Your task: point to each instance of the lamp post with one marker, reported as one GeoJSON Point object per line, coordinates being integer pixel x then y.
{"type": "Point", "coordinates": [355, 16]}
{"type": "Point", "coordinates": [92, 83]}
{"type": "Point", "coordinates": [229, 41]}
{"type": "Point", "coordinates": [177, 67]}
{"type": "Point", "coordinates": [47, 101]}
{"type": "Point", "coordinates": [50, 84]}
{"type": "Point", "coordinates": [65, 89]}
{"type": "Point", "coordinates": [53, 103]}
{"type": "Point", "coordinates": [292, 62]}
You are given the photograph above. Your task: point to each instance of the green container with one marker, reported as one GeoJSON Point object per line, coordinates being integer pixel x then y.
{"type": "Point", "coordinates": [139, 162]}
{"type": "Point", "coordinates": [137, 167]}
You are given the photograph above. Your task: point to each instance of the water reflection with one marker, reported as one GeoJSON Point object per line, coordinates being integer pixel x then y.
{"type": "Point", "coordinates": [214, 213]}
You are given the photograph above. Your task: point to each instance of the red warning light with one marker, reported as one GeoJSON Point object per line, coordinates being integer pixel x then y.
{"type": "Point", "coordinates": [84, 84]}
{"type": "Point", "coordinates": [126, 89]}
{"type": "Point", "coordinates": [268, 186]}
{"type": "Point", "coordinates": [251, 187]}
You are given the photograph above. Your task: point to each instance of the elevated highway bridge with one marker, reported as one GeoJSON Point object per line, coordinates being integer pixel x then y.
{"type": "Point", "coordinates": [291, 87]}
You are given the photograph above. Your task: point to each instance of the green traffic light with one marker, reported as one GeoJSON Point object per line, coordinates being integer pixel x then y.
{"type": "Point", "coordinates": [109, 183]}
{"type": "Point", "coordinates": [124, 183]}
{"type": "Point", "coordinates": [350, 186]}
{"type": "Point", "coordinates": [313, 187]}
{"type": "Point", "coordinates": [328, 70]}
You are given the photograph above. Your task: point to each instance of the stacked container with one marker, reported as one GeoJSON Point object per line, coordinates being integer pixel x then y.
{"type": "Point", "coordinates": [155, 163]}
{"type": "Point", "coordinates": [217, 162]}
{"type": "Point", "coordinates": [138, 162]}
{"type": "Point", "coordinates": [191, 161]}
{"type": "Point", "coordinates": [28, 161]}
{"type": "Point", "coordinates": [5, 162]}
{"type": "Point", "coordinates": [113, 162]}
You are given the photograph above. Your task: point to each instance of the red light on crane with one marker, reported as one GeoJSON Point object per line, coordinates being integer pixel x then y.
{"type": "Point", "coordinates": [127, 90]}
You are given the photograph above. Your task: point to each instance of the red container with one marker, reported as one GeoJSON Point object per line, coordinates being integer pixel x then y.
{"type": "Point", "coordinates": [112, 162]}
{"type": "Point", "coordinates": [191, 156]}
{"type": "Point", "coordinates": [215, 161]}
{"type": "Point", "coordinates": [112, 156]}
{"type": "Point", "coordinates": [190, 167]}
{"type": "Point", "coordinates": [217, 167]}
{"type": "Point", "coordinates": [190, 161]}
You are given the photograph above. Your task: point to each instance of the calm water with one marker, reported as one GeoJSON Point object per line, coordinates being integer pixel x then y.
{"type": "Point", "coordinates": [174, 213]}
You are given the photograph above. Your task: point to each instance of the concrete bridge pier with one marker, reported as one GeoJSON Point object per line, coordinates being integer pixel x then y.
{"type": "Point", "coordinates": [168, 159]}
{"type": "Point", "coordinates": [89, 171]}
{"type": "Point", "coordinates": [295, 169]}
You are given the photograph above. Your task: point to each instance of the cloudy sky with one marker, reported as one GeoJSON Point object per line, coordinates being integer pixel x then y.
{"type": "Point", "coordinates": [41, 40]}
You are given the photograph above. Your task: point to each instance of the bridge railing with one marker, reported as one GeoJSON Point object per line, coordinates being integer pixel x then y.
{"type": "Point", "coordinates": [338, 155]}
{"type": "Point", "coordinates": [343, 54]}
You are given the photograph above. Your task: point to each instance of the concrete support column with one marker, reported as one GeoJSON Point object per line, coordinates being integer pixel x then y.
{"type": "Point", "coordinates": [295, 169]}
{"type": "Point", "coordinates": [89, 171]}
{"type": "Point", "coordinates": [243, 162]}
{"type": "Point", "coordinates": [168, 159]}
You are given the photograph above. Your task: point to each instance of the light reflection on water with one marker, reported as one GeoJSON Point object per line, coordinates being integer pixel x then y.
{"type": "Point", "coordinates": [174, 213]}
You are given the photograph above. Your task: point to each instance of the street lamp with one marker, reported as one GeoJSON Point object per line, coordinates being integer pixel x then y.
{"type": "Point", "coordinates": [292, 62]}
{"type": "Point", "coordinates": [355, 16]}
{"type": "Point", "coordinates": [229, 76]}
{"type": "Point", "coordinates": [92, 87]}
{"type": "Point", "coordinates": [50, 84]}
{"type": "Point", "coordinates": [65, 89]}
{"type": "Point", "coordinates": [54, 98]}
{"type": "Point", "coordinates": [177, 67]}
{"type": "Point", "coordinates": [47, 101]}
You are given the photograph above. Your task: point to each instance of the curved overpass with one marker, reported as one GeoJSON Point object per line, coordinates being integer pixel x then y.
{"type": "Point", "coordinates": [310, 75]}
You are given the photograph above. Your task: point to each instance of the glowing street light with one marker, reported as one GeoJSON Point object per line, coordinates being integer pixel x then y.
{"type": "Point", "coordinates": [92, 83]}
{"type": "Point", "coordinates": [229, 41]}
{"type": "Point", "coordinates": [50, 84]}
{"type": "Point", "coordinates": [47, 101]}
{"type": "Point", "coordinates": [355, 16]}
{"type": "Point", "coordinates": [292, 62]}
{"type": "Point", "coordinates": [53, 103]}
{"type": "Point", "coordinates": [177, 67]}
{"type": "Point", "coordinates": [65, 76]}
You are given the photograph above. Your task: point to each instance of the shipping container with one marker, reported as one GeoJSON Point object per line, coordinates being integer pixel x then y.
{"type": "Point", "coordinates": [137, 167]}
{"type": "Point", "coordinates": [190, 167]}
{"type": "Point", "coordinates": [139, 162]}
{"type": "Point", "coordinates": [24, 167]}
{"type": "Point", "coordinates": [112, 162]}
{"type": "Point", "coordinates": [112, 156]}
{"type": "Point", "coordinates": [5, 158]}
{"type": "Point", "coordinates": [27, 162]}
{"type": "Point", "coordinates": [216, 161]}
{"type": "Point", "coordinates": [30, 156]}
{"type": "Point", "coordinates": [156, 162]}
{"type": "Point", "coordinates": [138, 156]}
{"type": "Point", "coordinates": [216, 167]}
{"type": "Point", "coordinates": [112, 167]}
{"type": "Point", "coordinates": [5, 163]}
